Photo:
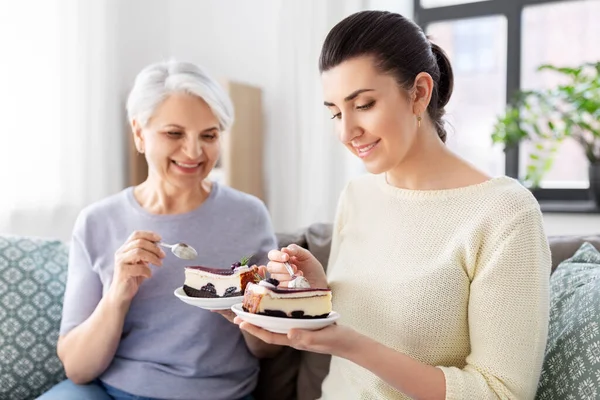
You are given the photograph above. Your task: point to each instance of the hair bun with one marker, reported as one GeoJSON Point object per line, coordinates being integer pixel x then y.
{"type": "Point", "coordinates": [446, 80]}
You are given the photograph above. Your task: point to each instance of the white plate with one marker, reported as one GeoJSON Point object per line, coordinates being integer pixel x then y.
{"type": "Point", "coordinates": [283, 325]}
{"type": "Point", "coordinates": [208, 303]}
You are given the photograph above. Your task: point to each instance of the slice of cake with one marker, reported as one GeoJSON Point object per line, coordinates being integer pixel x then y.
{"type": "Point", "coordinates": [267, 299]}
{"type": "Point", "coordinates": [216, 282]}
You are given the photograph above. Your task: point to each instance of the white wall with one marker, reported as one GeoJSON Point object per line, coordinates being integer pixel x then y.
{"type": "Point", "coordinates": [143, 31]}
{"type": "Point", "coordinates": [238, 45]}
{"type": "Point", "coordinates": [275, 46]}
{"type": "Point", "coordinates": [404, 7]}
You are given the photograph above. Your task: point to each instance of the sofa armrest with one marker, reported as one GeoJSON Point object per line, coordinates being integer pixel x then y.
{"type": "Point", "coordinates": [316, 239]}
{"type": "Point", "coordinates": [563, 247]}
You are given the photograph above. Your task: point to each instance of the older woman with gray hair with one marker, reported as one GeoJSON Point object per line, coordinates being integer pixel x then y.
{"type": "Point", "coordinates": [124, 334]}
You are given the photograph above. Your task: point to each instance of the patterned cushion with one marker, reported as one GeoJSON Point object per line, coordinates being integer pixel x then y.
{"type": "Point", "coordinates": [32, 281]}
{"type": "Point", "coordinates": [571, 367]}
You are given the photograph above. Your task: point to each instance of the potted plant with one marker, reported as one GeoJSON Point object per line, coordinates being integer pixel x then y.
{"type": "Point", "coordinates": [547, 117]}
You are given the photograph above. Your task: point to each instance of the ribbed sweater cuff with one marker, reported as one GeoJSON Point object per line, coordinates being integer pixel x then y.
{"type": "Point", "coordinates": [454, 383]}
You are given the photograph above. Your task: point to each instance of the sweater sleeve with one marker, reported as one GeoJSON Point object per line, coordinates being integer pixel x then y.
{"type": "Point", "coordinates": [508, 314]}
{"type": "Point", "coordinates": [83, 291]}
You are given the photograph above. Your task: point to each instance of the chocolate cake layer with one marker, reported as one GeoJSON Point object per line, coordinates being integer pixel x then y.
{"type": "Point", "coordinates": [231, 292]}
{"type": "Point", "coordinates": [295, 314]}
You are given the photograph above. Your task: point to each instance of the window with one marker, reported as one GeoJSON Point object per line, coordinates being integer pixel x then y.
{"type": "Point", "coordinates": [574, 43]}
{"type": "Point", "coordinates": [495, 47]}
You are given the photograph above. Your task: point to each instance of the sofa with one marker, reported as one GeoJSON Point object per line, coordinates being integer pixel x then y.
{"type": "Point", "coordinates": [32, 277]}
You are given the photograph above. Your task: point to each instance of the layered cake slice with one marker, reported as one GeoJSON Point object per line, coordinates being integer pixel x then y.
{"type": "Point", "coordinates": [267, 299]}
{"type": "Point", "coordinates": [215, 282]}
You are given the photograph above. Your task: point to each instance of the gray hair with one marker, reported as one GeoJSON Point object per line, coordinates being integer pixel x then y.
{"type": "Point", "coordinates": [157, 81]}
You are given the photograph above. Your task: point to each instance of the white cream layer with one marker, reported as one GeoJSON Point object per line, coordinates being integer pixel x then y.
{"type": "Point", "coordinates": [196, 279]}
{"type": "Point", "coordinates": [289, 295]}
{"type": "Point", "coordinates": [313, 303]}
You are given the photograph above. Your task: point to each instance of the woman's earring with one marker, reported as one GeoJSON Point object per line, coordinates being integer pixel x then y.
{"type": "Point", "coordinates": [418, 121]}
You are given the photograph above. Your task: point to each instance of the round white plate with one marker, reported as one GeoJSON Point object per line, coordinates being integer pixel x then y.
{"type": "Point", "coordinates": [283, 325]}
{"type": "Point", "coordinates": [214, 303]}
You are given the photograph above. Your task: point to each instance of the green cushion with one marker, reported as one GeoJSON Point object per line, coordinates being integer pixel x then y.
{"type": "Point", "coordinates": [571, 367]}
{"type": "Point", "coordinates": [33, 273]}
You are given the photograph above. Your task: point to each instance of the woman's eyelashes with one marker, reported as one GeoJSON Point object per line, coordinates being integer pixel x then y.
{"type": "Point", "coordinates": [209, 137]}
{"type": "Point", "coordinates": [366, 106]}
{"type": "Point", "coordinates": [359, 107]}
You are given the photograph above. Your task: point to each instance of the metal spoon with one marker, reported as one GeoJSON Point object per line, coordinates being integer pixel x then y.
{"type": "Point", "coordinates": [181, 250]}
{"type": "Point", "coordinates": [297, 282]}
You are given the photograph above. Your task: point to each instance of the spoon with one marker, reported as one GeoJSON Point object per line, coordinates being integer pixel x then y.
{"type": "Point", "coordinates": [297, 282]}
{"type": "Point", "coordinates": [181, 250]}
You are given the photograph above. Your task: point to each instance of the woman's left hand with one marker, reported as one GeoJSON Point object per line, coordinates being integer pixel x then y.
{"type": "Point", "coordinates": [335, 339]}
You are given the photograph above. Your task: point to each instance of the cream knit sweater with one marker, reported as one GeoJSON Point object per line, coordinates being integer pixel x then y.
{"type": "Point", "coordinates": [456, 278]}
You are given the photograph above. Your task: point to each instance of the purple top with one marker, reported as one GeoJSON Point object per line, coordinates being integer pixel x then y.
{"type": "Point", "coordinates": [169, 349]}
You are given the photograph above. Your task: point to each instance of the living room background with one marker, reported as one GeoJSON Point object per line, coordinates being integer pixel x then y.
{"type": "Point", "coordinates": [67, 69]}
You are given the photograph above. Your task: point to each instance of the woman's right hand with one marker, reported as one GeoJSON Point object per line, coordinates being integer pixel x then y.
{"type": "Point", "coordinates": [303, 263]}
{"type": "Point", "coordinates": [132, 262]}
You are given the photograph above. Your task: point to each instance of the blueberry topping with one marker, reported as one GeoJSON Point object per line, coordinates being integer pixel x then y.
{"type": "Point", "coordinates": [297, 314]}
{"type": "Point", "coordinates": [231, 290]}
{"type": "Point", "coordinates": [209, 287]}
{"type": "Point", "coordinates": [272, 281]}
{"type": "Point", "coordinates": [236, 265]}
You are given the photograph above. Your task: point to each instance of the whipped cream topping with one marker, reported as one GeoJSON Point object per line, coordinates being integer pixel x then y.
{"type": "Point", "coordinates": [267, 284]}
{"type": "Point", "coordinates": [242, 268]}
{"type": "Point", "coordinates": [299, 283]}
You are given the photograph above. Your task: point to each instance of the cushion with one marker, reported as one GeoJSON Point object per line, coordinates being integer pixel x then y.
{"type": "Point", "coordinates": [318, 242]}
{"type": "Point", "coordinates": [32, 280]}
{"type": "Point", "coordinates": [316, 238]}
{"type": "Point", "coordinates": [563, 247]}
{"type": "Point", "coordinates": [571, 368]}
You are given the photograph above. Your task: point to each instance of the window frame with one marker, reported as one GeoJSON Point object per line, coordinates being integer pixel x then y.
{"type": "Point", "coordinates": [512, 10]}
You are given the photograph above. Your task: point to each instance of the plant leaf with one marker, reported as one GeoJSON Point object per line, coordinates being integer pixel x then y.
{"type": "Point", "coordinates": [244, 260]}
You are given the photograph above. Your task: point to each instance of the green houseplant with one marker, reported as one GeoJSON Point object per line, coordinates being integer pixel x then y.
{"type": "Point", "coordinates": [547, 117]}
